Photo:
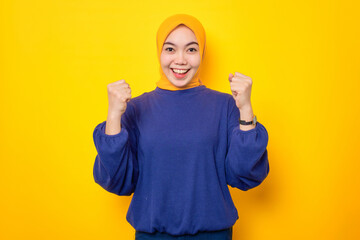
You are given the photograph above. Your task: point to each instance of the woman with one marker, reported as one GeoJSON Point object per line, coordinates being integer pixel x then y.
{"type": "Point", "coordinates": [179, 146]}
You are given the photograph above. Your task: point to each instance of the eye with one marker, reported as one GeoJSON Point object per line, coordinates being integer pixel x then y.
{"type": "Point", "coordinates": [192, 49]}
{"type": "Point", "coordinates": [170, 49]}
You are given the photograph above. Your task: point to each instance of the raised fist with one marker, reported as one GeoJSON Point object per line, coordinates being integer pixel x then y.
{"type": "Point", "coordinates": [119, 94]}
{"type": "Point", "coordinates": [240, 85]}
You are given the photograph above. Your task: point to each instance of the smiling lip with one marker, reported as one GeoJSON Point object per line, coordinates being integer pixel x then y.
{"type": "Point", "coordinates": [179, 75]}
{"type": "Point", "coordinates": [180, 69]}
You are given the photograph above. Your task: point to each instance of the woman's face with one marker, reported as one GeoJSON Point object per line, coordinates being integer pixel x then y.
{"type": "Point", "coordinates": [180, 56]}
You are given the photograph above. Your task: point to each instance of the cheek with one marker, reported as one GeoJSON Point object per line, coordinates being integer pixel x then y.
{"type": "Point", "coordinates": [165, 60]}
{"type": "Point", "coordinates": [195, 62]}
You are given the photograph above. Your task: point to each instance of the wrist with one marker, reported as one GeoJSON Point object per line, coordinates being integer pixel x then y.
{"type": "Point", "coordinates": [114, 115]}
{"type": "Point", "coordinates": [246, 113]}
{"type": "Point", "coordinates": [246, 108]}
{"type": "Point", "coordinates": [248, 125]}
{"type": "Point", "coordinates": [247, 118]}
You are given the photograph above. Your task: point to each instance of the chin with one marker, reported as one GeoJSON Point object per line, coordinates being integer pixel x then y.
{"type": "Point", "coordinates": [180, 82]}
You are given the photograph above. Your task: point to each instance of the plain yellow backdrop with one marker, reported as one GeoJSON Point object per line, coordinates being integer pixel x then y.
{"type": "Point", "coordinates": [56, 58]}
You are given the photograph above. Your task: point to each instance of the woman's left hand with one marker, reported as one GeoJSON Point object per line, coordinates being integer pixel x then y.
{"type": "Point", "coordinates": [240, 85]}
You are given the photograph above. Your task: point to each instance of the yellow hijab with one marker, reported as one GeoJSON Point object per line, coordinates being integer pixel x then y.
{"type": "Point", "coordinates": [164, 30]}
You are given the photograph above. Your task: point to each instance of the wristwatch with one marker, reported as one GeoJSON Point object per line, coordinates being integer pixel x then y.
{"type": "Point", "coordinates": [253, 122]}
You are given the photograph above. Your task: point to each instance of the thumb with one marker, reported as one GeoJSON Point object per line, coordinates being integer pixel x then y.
{"type": "Point", "coordinates": [230, 77]}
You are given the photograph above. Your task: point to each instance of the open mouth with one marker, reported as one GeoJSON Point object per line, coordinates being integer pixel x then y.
{"type": "Point", "coordinates": [179, 73]}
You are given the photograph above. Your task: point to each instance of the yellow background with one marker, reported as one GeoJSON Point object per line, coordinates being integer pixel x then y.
{"type": "Point", "coordinates": [57, 57]}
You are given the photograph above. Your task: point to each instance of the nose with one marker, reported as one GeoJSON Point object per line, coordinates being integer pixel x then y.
{"type": "Point", "coordinates": [180, 58]}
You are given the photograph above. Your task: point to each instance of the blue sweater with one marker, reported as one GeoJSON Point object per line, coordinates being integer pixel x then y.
{"type": "Point", "coordinates": [177, 151]}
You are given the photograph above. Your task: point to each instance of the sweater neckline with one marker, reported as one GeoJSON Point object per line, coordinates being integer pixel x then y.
{"type": "Point", "coordinates": [196, 89]}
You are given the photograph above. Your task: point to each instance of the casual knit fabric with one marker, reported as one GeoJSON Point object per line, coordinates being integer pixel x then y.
{"type": "Point", "coordinates": [178, 151]}
{"type": "Point", "coordinates": [225, 234]}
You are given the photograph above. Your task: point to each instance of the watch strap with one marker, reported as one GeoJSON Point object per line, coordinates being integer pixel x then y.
{"type": "Point", "coordinates": [252, 122]}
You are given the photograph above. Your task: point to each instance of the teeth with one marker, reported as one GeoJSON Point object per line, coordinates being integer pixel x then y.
{"type": "Point", "coordinates": [180, 71]}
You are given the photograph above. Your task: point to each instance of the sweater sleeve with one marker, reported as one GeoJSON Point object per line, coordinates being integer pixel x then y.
{"type": "Point", "coordinates": [246, 163]}
{"type": "Point", "coordinates": [116, 166]}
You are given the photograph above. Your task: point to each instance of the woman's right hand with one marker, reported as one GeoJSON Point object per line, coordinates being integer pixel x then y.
{"type": "Point", "coordinates": [119, 94]}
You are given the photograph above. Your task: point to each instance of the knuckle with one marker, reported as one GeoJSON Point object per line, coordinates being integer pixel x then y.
{"type": "Point", "coordinates": [111, 90]}
{"type": "Point", "coordinates": [248, 79]}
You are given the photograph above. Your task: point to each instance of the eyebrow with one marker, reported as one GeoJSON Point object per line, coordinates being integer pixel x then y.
{"type": "Point", "coordinates": [170, 43]}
